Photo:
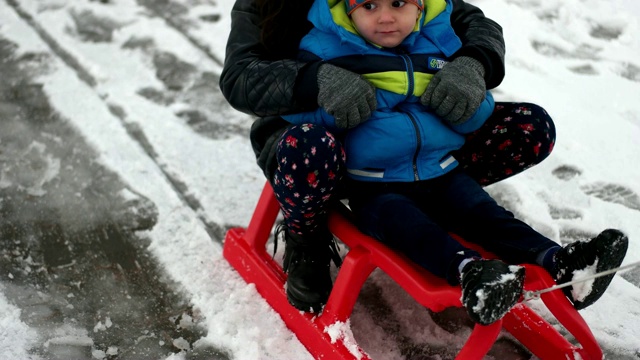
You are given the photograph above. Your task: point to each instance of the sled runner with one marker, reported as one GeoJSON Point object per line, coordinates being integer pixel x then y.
{"type": "Point", "coordinates": [326, 336]}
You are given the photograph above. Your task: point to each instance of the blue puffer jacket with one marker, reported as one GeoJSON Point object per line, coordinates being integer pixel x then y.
{"type": "Point", "coordinates": [402, 141]}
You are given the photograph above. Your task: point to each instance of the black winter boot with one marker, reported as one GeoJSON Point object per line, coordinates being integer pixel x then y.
{"type": "Point", "coordinates": [307, 264]}
{"type": "Point", "coordinates": [581, 258]}
{"type": "Point", "coordinates": [490, 288]}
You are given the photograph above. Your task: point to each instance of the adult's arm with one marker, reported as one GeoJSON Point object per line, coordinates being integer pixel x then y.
{"type": "Point", "coordinates": [482, 40]}
{"type": "Point", "coordinates": [255, 81]}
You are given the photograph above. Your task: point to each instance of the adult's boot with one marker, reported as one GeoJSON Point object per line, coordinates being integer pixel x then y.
{"type": "Point", "coordinates": [307, 264]}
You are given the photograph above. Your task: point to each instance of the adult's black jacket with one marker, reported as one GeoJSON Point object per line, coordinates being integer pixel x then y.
{"type": "Point", "coordinates": [261, 82]}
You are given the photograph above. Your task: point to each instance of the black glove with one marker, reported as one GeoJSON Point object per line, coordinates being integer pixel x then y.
{"type": "Point", "coordinates": [345, 95]}
{"type": "Point", "coordinates": [456, 91]}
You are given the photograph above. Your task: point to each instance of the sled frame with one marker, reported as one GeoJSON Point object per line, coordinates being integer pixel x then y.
{"type": "Point", "coordinates": [245, 250]}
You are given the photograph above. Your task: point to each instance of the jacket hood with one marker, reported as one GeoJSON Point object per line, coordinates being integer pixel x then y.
{"type": "Point", "coordinates": [331, 16]}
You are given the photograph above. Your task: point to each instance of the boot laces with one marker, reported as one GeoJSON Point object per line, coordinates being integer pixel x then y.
{"type": "Point", "coordinates": [309, 252]}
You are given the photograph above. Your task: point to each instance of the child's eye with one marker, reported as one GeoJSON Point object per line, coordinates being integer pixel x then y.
{"type": "Point", "coordinates": [369, 6]}
{"type": "Point", "coordinates": [398, 3]}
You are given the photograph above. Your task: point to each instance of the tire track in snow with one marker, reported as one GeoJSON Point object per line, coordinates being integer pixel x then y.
{"type": "Point", "coordinates": [215, 231]}
{"type": "Point", "coordinates": [162, 10]}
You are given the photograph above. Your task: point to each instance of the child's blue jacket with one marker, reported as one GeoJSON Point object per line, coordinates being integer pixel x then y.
{"type": "Point", "coordinates": [402, 141]}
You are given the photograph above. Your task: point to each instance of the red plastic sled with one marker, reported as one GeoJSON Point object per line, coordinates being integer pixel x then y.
{"type": "Point", "coordinates": [245, 249]}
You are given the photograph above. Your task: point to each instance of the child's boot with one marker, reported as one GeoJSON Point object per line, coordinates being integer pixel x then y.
{"type": "Point", "coordinates": [582, 258]}
{"type": "Point", "coordinates": [490, 288]}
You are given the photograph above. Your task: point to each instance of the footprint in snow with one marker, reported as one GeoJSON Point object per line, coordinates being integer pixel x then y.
{"type": "Point", "coordinates": [570, 234]}
{"type": "Point", "coordinates": [613, 193]}
{"type": "Point", "coordinates": [609, 192]}
{"type": "Point", "coordinates": [561, 212]}
{"type": "Point", "coordinates": [566, 172]}
{"type": "Point", "coordinates": [564, 213]}
{"type": "Point", "coordinates": [592, 50]}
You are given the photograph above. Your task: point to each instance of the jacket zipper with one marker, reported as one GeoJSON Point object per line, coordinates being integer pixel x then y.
{"type": "Point", "coordinates": [418, 146]}
{"type": "Point", "coordinates": [409, 64]}
{"type": "Point", "coordinates": [414, 164]}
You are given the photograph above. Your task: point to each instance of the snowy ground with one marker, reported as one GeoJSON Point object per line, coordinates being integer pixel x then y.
{"type": "Point", "coordinates": [121, 167]}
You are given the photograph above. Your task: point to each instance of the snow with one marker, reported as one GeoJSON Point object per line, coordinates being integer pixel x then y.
{"type": "Point", "coordinates": [15, 336]}
{"type": "Point", "coordinates": [576, 58]}
{"type": "Point", "coordinates": [342, 331]}
{"type": "Point", "coordinates": [482, 297]}
{"type": "Point", "coordinates": [581, 290]}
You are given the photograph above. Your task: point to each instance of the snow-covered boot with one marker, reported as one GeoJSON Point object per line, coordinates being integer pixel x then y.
{"type": "Point", "coordinates": [582, 258]}
{"type": "Point", "coordinates": [307, 264]}
{"type": "Point", "coordinates": [490, 288]}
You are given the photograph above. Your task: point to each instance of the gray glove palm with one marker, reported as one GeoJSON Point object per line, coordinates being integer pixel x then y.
{"type": "Point", "coordinates": [456, 91]}
{"type": "Point", "coordinates": [345, 95]}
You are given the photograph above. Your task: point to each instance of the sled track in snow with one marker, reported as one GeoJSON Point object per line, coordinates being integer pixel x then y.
{"type": "Point", "coordinates": [165, 14]}
{"type": "Point", "coordinates": [215, 231]}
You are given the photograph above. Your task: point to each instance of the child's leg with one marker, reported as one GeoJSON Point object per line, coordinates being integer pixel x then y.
{"type": "Point", "coordinates": [398, 222]}
{"type": "Point", "coordinates": [489, 287]}
{"type": "Point", "coordinates": [471, 213]}
{"type": "Point", "coordinates": [464, 208]}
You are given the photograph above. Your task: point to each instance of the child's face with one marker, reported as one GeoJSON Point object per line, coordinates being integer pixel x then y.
{"type": "Point", "coordinates": [385, 22]}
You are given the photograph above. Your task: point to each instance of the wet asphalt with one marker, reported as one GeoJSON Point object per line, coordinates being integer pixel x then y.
{"type": "Point", "coordinates": [72, 257]}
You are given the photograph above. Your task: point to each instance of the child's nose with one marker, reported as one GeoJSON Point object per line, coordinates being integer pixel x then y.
{"type": "Point", "coordinates": [386, 15]}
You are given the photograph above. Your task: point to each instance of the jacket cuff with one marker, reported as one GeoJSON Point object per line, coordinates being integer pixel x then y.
{"type": "Point", "coordinates": [306, 87]}
{"type": "Point", "coordinates": [493, 68]}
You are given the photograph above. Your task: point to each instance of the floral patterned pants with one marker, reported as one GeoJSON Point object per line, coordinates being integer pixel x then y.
{"type": "Point", "coordinates": [311, 161]}
{"type": "Point", "coordinates": [310, 167]}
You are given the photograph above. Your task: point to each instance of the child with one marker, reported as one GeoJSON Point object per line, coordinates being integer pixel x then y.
{"type": "Point", "coordinates": [405, 187]}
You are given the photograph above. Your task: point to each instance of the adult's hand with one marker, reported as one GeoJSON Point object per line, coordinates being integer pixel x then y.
{"type": "Point", "coordinates": [457, 90]}
{"type": "Point", "coordinates": [345, 95]}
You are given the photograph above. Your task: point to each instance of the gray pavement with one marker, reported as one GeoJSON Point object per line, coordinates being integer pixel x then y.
{"type": "Point", "coordinates": [71, 255]}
